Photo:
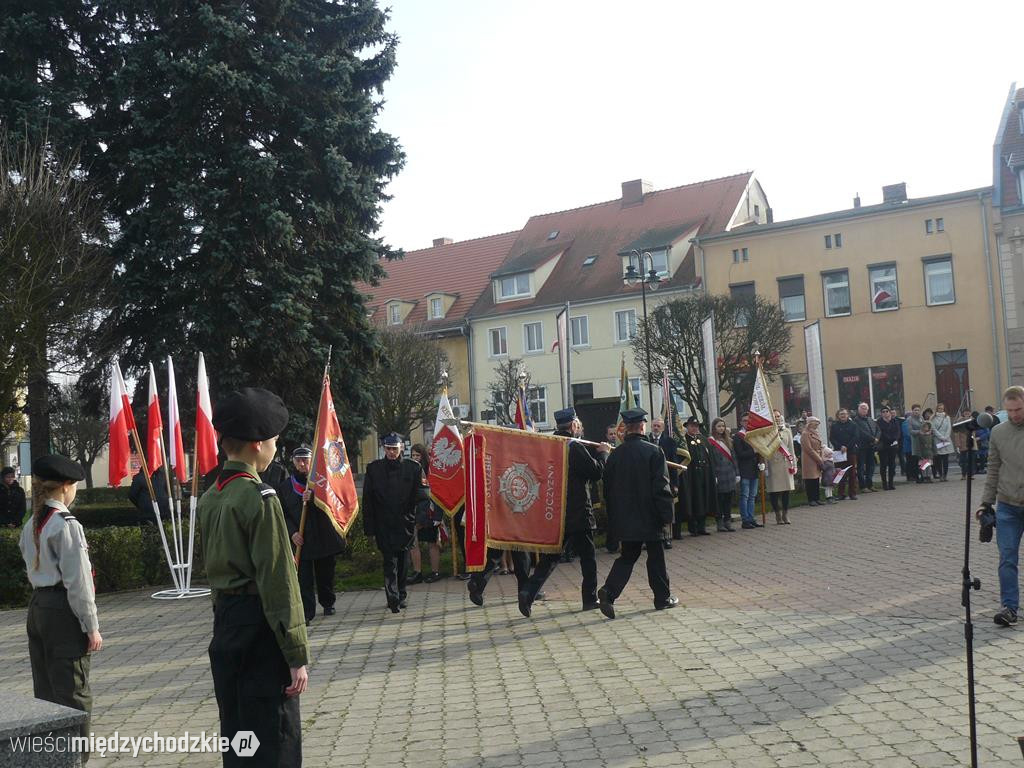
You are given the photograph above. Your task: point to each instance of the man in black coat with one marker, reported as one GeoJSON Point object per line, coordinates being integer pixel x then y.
{"type": "Point", "coordinates": [639, 498]}
{"type": "Point", "coordinates": [844, 437]}
{"type": "Point", "coordinates": [12, 499]}
{"type": "Point", "coordinates": [389, 514]}
{"type": "Point", "coordinates": [321, 543]}
{"type": "Point", "coordinates": [584, 467]}
{"type": "Point", "coordinates": [698, 483]}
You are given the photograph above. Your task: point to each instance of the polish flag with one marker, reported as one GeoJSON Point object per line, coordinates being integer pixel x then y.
{"type": "Point", "coordinates": [154, 425]}
{"type": "Point", "coordinates": [122, 421]}
{"type": "Point", "coordinates": [881, 295]}
{"type": "Point", "coordinates": [175, 447]}
{"type": "Point", "coordinates": [206, 437]}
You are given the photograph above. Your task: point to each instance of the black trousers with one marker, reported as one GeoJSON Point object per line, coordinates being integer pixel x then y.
{"type": "Point", "coordinates": [887, 465]}
{"type": "Point", "coordinates": [622, 568]}
{"type": "Point", "coordinates": [582, 543]}
{"type": "Point", "coordinates": [520, 565]}
{"type": "Point", "coordinates": [940, 465]}
{"type": "Point", "coordinates": [913, 471]}
{"type": "Point", "coordinates": [812, 486]}
{"type": "Point", "coordinates": [458, 523]}
{"type": "Point", "coordinates": [394, 577]}
{"type": "Point", "coordinates": [320, 571]}
{"type": "Point", "coordinates": [249, 678]}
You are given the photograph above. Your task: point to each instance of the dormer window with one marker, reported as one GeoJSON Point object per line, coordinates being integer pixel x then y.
{"type": "Point", "coordinates": [514, 286]}
{"type": "Point", "coordinates": [660, 259]}
{"type": "Point", "coordinates": [436, 308]}
{"type": "Point", "coordinates": [395, 314]}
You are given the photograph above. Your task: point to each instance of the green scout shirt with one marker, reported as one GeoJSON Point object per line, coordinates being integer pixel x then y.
{"type": "Point", "coordinates": [245, 541]}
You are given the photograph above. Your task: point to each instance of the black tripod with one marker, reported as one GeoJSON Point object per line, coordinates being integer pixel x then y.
{"type": "Point", "coordinates": [965, 599]}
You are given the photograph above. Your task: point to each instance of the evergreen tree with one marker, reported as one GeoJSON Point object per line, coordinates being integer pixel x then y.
{"type": "Point", "coordinates": [245, 173]}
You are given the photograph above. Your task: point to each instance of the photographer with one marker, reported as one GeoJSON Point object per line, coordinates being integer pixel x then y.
{"type": "Point", "coordinates": [1004, 486]}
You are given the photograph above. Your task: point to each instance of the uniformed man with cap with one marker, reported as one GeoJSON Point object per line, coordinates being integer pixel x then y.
{"type": "Point", "coordinates": [320, 542]}
{"type": "Point", "coordinates": [259, 650]}
{"type": "Point", "coordinates": [699, 484]}
{"type": "Point", "coordinates": [585, 466]}
{"type": "Point", "coordinates": [639, 499]}
{"type": "Point", "coordinates": [63, 628]}
{"type": "Point", "coordinates": [389, 514]}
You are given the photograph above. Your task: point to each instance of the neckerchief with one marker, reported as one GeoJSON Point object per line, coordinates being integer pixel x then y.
{"type": "Point", "coordinates": [299, 488]}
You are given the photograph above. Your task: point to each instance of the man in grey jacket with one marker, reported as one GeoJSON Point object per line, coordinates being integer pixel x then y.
{"type": "Point", "coordinates": [1004, 486]}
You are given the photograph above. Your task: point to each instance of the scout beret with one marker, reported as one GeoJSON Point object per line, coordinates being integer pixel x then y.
{"type": "Point", "coordinates": [250, 414]}
{"type": "Point", "coordinates": [634, 415]}
{"type": "Point", "coordinates": [565, 415]}
{"type": "Point", "coordinates": [302, 452]}
{"type": "Point", "coordinates": [392, 440]}
{"type": "Point", "coordinates": [57, 467]}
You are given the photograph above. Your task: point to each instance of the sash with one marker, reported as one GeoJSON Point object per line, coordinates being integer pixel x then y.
{"type": "Point", "coordinates": [721, 448]}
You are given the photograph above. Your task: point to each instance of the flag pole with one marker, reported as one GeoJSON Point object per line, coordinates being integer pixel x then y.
{"type": "Point", "coordinates": [568, 356]}
{"type": "Point", "coordinates": [312, 465]}
{"type": "Point", "coordinates": [170, 499]}
{"type": "Point", "coordinates": [156, 506]}
{"type": "Point", "coordinates": [453, 536]}
{"type": "Point", "coordinates": [192, 510]}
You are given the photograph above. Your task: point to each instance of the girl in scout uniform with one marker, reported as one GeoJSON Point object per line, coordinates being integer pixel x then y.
{"type": "Point", "coordinates": [62, 625]}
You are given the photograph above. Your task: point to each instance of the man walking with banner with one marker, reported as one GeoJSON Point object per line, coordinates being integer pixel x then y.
{"type": "Point", "coordinates": [636, 489]}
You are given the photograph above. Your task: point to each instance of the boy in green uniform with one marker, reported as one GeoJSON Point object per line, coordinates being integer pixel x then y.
{"type": "Point", "coordinates": [259, 650]}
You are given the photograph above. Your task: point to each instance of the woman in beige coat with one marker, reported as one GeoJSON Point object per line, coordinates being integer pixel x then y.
{"type": "Point", "coordinates": [781, 468]}
{"type": "Point", "coordinates": [810, 457]}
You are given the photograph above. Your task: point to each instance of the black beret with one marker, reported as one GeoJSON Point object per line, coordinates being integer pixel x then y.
{"type": "Point", "coordinates": [565, 415]}
{"type": "Point", "coordinates": [634, 416]}
{"type": "Point", "coordinates": [57, 467]}
{"type": "Point", "coordinates": [250, 414]}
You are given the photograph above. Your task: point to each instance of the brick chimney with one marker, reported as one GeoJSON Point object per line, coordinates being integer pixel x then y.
{"type": "Point", "coordinates": [895, 193]}
{"type": "Point", "coordinates": [442, 241]}
{"type": "Point", "coordinates": [633, 191]}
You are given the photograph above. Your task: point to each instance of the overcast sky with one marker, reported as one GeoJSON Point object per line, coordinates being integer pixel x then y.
{"type": "Point", "coordinates": [508, 109]}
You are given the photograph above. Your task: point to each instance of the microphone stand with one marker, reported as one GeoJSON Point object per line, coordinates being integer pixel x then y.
{"type": "Point", "coordinates": [965, 600]}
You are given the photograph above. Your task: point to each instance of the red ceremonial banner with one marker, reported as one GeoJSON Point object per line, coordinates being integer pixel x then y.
{"type": "Point", "coordinates": [524, 483]}
{"type": "Point", "coordinates": [476, 523]}
{"type": "Point", "coordinates": [334, 486]}
{"type": "Point", "coordinates": [447, 480]}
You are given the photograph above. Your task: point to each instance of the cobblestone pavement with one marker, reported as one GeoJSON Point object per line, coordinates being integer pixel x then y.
{"type": "Point", "coordinates": [834, 641]}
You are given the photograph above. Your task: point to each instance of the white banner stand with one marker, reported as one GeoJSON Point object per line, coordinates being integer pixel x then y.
{"type": "Point", "coordinates": [180, 565]}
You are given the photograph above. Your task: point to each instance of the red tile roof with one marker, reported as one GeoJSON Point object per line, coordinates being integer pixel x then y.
{"type": "Point", "coordinates": [460, 269]}
{"type": "Point", "coordinates": [609, 228]}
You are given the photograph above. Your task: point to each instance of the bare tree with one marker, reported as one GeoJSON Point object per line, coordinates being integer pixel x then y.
{"type": "Point", "coordinates": [406, 384]}
{"type": "Point", "coordinates": [743, 326]}
{"type": "Point", "coordinates": [78, 432]}
{"type": "Point", "coordinates": [505, 386]}
{"type": "Point", "coordinates": [55, 276]}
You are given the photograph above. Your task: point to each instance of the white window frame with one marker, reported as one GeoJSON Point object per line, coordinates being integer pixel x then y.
{"type": "Point", "coordinates": [536, 398]}
{"type": "Point", "coordinates": [929, 226]}
{"type": "Point", "coordinates": [436, 308]}
{"type": "Point", "coordinates": [518, 292]}
{"type": "Point", "coordinates": [948, 260]}
{"type": "Point", "coordinates": [584, 326]}
{"type": "Point", "coordinates": [940, 224]}
{"type": "Point", "coordinates": [837, 239]}
{"type": "Point", "coordinates": [502, 334]}
{"type": "Point", "coordinates": [634, 384]}
{"type": "Point", "coordinates": [657, 256]}
{"type": "Point", "coordinates": [825, 288]}
{"type": "Point", "coordinates": [828, 242]}
{"type": "Point", "coordinates": [632, 325]}
{"type": "Point", "coordinates": [527, 349]}
{"type": "Point", "coordinates": [394, 314]}
{"type": "Point", "coordinates": [803, 299]}
{"type": "Point", "coordinates": [873, 280]}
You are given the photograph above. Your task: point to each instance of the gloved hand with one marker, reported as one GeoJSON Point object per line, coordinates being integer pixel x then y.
{"type": "Point", "coordinates": [987, 521]}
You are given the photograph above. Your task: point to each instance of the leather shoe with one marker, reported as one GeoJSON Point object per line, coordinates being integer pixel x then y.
{"type": "Point", "coordinates": [668, 544]}
{"type": "Point", "coordinates": [402, 603]}
{"type": "Point", "coordinates": [524, 604]}
{"type": "Point", "coordinates": [591, 606]}
{"type": "Point", "coordinates": [606, 603]}
{"type": "Point", "coordinates": [329, 610]}
{"type": "Point", "coordinates": [672, 602]}
{"type": "Point", "coordinates": [394, 607]}
{"type": "Point", "coordinates": [703, 533]}
{"type": "Point", "coordinates": [476, 597]}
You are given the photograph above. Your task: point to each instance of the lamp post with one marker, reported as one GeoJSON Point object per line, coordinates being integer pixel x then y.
{"type": "Point", "coordinates": [635, 274]}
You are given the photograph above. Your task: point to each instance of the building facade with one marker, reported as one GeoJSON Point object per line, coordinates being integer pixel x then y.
{"type": "Point", "coordinates": [1008, 224]}
{"type": "Point", "coordinates": [905, 294]}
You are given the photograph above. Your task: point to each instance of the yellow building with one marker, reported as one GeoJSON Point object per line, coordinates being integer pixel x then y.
{"type": "Point", "coordinates": [905, 292]}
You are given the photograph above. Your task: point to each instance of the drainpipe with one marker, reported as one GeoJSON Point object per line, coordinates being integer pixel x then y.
{"type": "Point", "coordinates": [469, 361]}
{"type": "Point", "coordinates": [703, 263]}
{"type": "Point", "coordinates": [991, 296]}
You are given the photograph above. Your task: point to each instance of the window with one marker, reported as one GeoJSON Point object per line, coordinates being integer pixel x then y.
{"type": "Point", "coordinates": [791, 298]}
{"type": "Point", "coordinates": [634, 384]}
{"type": "Point", "coordinates": [743, 252]}
{"type": "Point", "coordinates": [396, 315]}
{"type": "Point", "coordinates": [828, 241]}
{"type": "Point", "coordinates": [757, 211]}
{"type": "Point", "coordinates": [579, 331]}
{"type": "Point", "coordinates": [589, 260]}
{"type": "Point", "coordinates": [838, 238]}
{"type": "Point", "coordinates": [436, 308]}
{"type": "Point", "coordinates": [796, 395]}
{"type": "Point", "coordinates": [625, 325]}
{"type": "Point", "coordinates": [660, 261]}
{"type": "Point", "coordinates": [582, 392]}
{"type": "Point", "coordinates": [940, 225]}
{"type": "Point", "coordinates": [499, 344]}
{"type": "Point", "coordinates": [884, 289]}
{"type": "Point", "coordinates": [837, 293]}
{"type": "Point", "coordinates": [743, 295]}
{"type": "Point", "coordinates": [929, 226]}
{"type": "Point", "coordinates": [533, 338]}
{"type": "Point", "coordinates": [877, 386]}
{"type": "Point", "coordinates": [514, 286]}
{"type": "Point", "coordinates": [537, 402]}
{"type": "Point", "coordinates": [740, 254]}
{"type": "Point", "coordinates": [938, 281]}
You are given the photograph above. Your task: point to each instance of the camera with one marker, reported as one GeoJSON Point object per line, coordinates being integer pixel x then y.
{"type": "Point", "coordinates": [987, 520]}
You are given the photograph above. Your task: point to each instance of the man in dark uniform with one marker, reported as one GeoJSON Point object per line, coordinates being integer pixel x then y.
{"type": "Point", "coordinates": [639, 498]}
{"type": "Point", "coordinates": [319, 540]}
{"type": "Point", "coordinates": [259, 650]}
{"type": "Point", "coordinates": [699, 484]}
{"type": "Point", "coordinates": [12, 499]}
{"type": "Point", "coordinates": [585, 466]}
{"type": "Point", "coordinates": [389, 514]}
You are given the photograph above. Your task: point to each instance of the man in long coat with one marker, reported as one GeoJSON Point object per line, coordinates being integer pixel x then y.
{"type": "Point", "coordinates": [698, 486]}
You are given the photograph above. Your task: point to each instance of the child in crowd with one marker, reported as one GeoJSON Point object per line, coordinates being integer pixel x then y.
{"type": "Point", "coordinates": [925, 451]}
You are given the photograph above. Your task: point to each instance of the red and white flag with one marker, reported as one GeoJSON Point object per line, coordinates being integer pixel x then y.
{"type": "Point", "coordinates": [122, 421]}
{"type": "Point", "coordinates": [175, 446]}
{"type": "Point", "coordinates": [762, 431]}
{"type": "Point", "coordinates": [881, 296]}
{"type": "Point", "coordinates": [154, 425]}
{"type": "Point", "coordinates": [206, 437]}
{"type": "Point", "coordinates": [331, 476]}
{"type": "Point", "coordinates": [447, 474]}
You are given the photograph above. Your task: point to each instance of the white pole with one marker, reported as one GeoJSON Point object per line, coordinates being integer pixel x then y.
{"type": "Point", "coordinates": [163, 540]}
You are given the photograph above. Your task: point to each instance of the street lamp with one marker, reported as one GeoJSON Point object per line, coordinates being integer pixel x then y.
{"type": "Point", "coordinates": [635, 274]}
